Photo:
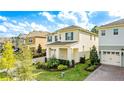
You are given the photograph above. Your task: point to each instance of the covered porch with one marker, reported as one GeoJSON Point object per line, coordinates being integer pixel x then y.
{"type": "Point", "coordinates": [65, 53]}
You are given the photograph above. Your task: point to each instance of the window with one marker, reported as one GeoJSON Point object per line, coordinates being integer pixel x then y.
{"type": "Point", "coordinates": [69, 36]}
{"type": "Point", "coordinates": [115, 31]}
{"type": "Point", "coordinates": [56, 38]}
{"type": "Point", "coordinates": [113, 52]}
{"type": "Point", "coordinates": [49, 38]}
{"type": "Point", "coordinates": [117, 53]}
{"type": "Point", "coordinates": [30, 40]}
{"type": "Point", "coordinates": [103, 33]}
{"type": "Point", "coordinates": [108, 52]}
{"type": "Point", "coordinates": [104, 53]}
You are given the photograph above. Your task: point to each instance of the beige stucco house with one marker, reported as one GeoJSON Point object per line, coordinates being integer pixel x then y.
{"type": "Point", "coordinates": [35, 38]}
{"type": "Point", "coordinates": [70, 43]}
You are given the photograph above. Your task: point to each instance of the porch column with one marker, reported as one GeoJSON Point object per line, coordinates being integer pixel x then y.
{"type": "Point", "coordinates": [48, 53]}
{"type": "Point", "coordinates": [70, 54]}
{"type": "Point", "coordinates": [57, 53]}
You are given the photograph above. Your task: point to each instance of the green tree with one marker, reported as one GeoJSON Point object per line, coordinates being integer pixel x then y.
{"type": "Point", "coordinates": [39, 50]}
{"type": "Point", "coordinates": [93, 56]}
{"type": "Point", "coordinates": [94, 30]}
{"type": "Point", "coordinates": [8, 59]}
{"type": "Point", "coordinates": [24, 65]}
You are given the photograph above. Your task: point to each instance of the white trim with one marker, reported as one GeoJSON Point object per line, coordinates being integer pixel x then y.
{"type": "Point", "coordinates": [111, 45]}
{"type": "Point", "coordinates": [112, 51]}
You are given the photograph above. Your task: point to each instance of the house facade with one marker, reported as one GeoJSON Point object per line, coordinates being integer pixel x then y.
{"type": "Point", "coordinates": [111, 43]}
{"type": "Point", "coordinates": [33, 39]}
{"type": "Point", "coordinates": [70, 43]}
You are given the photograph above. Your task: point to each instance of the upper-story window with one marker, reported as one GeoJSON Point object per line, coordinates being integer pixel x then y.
{"type": "Point", "coordinates": [103, 33]}
{"type": "Point", "coordinates": [115, 31]}
{"type": "Point", "coordinates": [56, 38]}
{"type": "Point", "coordinates": [49, 38]}
{"type": "Point", "coordinates": [30, 40]}
{"type": "Point", "coordinates": [69, 36]}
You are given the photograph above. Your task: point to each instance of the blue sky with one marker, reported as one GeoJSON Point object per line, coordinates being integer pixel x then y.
{"type": "Point", "coordinates": [12, 23]}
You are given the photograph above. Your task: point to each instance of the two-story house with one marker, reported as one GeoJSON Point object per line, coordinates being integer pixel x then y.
{"type": "Point", "coordinates": [111, 43]}
{"type": "Point", "coordinates": [35, 38]}
{"type": "Point", "coordinates": [70, 43]}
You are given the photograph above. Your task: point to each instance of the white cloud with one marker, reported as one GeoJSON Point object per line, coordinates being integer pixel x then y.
{"type": "Point", "coordinates": [49, 16]}
{"type": "Point", "coordinates": [3, 28]}
{"type": "Point", "coordinates": [14, 21]}
{"type": "Point", "coordinates": [38, 27]}
{"type": "Point", "coordinates": [79, 18]}
{"type": "Point", "coordinates": [62, 26]}
{"type": "Point", "coordinates": [116, 13]}
{"type": "Point", "coordinates": [3, 18]}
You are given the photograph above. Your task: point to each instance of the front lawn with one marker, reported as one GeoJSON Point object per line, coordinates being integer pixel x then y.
{"type": "Point", "coordinates": [72, 74]}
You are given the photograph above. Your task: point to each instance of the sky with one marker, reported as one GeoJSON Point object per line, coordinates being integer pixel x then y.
{"type": "Point", "coordinates": [12, 23]}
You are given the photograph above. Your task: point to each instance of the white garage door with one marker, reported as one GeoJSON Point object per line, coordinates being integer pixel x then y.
{"type": "Point", "coordinates": [111, 57]}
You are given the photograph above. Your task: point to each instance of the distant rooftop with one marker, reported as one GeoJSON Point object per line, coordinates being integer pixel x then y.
{"type": "Point", "coordinates": [37, 34]}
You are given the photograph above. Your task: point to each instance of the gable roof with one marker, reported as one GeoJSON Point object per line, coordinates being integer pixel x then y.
{"type": "Point", "coordinates": [74, 28]}
{"type": "Point", "coordinates": [37, 34]}
{"type": "Point", "coordinates": [115, 23]}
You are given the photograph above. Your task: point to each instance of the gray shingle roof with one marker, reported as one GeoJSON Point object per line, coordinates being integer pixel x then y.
{"type": "Point", "coordinates": [118, 22]}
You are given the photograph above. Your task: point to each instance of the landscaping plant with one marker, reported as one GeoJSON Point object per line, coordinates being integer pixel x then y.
{"type": "Point", "coordinates": [53, 63]}
{"type": "Point", "coordinates": [8, 59]}
{"type": "Point", "coordinates": [94, 56]}
{"type": "Point", "coordinates": [62, 67]}
{"type": "Point", "coordinates": [24, 65]}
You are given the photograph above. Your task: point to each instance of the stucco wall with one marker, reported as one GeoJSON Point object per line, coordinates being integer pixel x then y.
{"type": "Point", "coordinates": [41, 41]}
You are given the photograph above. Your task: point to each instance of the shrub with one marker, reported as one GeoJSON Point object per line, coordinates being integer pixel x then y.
{"type": "Point", "coordinates": [93, 56]}
{"type": "Point", "coordinates": [91, 68]}
{"type": "Point", "coordinates": [62, 67]}
{"type": "Point", "coordinates": [41, 65]}
{"type": "Point", "coordinates": [82, 59]}
{"type": "Point", "coordinates": [44, 65]}
{"type": "Point", "coordinates": [53, 63]}
{"type": "Point", "coordinates": [38, 65]}
{"type": "Point", "coordinates": [64, 62]}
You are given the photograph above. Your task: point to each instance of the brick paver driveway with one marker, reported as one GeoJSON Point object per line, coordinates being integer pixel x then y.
{"type": "Point", "coordinates": [107, 73]}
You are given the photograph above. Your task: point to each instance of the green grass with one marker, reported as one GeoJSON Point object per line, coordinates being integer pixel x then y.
{"type": "Point", "coordinates": [73, 74]}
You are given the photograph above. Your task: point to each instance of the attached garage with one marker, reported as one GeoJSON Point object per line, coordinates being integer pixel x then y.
{"type": "Point", "coordinates": [111, 57]}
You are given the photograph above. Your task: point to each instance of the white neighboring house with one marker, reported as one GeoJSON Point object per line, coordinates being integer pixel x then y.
{"type": "Point", "coordinates": [111, 43]}
{"type": "Point", "coordinates": [71, 43]}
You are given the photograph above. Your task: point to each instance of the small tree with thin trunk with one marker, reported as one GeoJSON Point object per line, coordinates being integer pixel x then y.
{"type": "Point", "coordinates": [8, 59]}
{"type": "Point", "coordinates": [24, 65]}
{"type": "Point", "coordinates": [39, 50]}
{"type": "Point", "coordinates": [93, 56]}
